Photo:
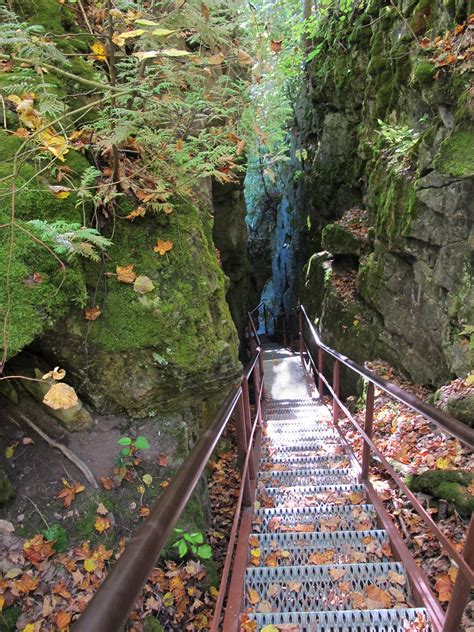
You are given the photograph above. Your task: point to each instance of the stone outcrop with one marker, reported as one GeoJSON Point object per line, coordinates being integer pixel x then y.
{"type": "Point", "coordinates": [388, 132]}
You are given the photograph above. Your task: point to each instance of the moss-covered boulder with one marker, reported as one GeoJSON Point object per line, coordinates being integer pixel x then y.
{"type": "Point", "coordinates": [339, 240]}
{"type": "Point", "coordinates": [450, 485]}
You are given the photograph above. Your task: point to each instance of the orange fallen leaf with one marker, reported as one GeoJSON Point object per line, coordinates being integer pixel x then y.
{"type": "Point", "coordinates": [125, 274]}
{"type": "Point", "coordinates": [63, 619]}
{"type": "Point", "coordinates": [92, 313]}
{"type": "Point", "coordinates": [68, 493]}
{"type": "Point", "coordinates": [163, 247]}
{"type": "Point", "coordinates": [61, 396]}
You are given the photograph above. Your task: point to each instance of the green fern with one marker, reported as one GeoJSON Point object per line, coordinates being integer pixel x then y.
{"type": "Point", "coordinates": [71, 240]}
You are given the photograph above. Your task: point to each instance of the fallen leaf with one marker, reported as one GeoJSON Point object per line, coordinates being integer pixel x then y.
{"type": "Point", "coordinates": [143, 285]}
{"type": "Point", "coordinates": [101, 524]}
{"type": "Point", "coordinates": [163, 460]}
{"type": "Point", "coordinates": [59, 192]}
{"type": "Point", "coordinates": [90, 565]}
{"type": "Point", "coordinates": [92, 313]}
{"type": "Point", "coordinates": [337, 573]}
{"type": "Point", "coordinates": [244, 58]}
{"type": "Point", "coordinates": [126, 274]}
{"type": "Point", "coordinates": [99, 51]}
{"type": "Point", "coordinates": [147, 479]}
{"type": "Point", "coordinates": [69, 492]}
{"type": "Point", "coordinates": [163, 247]}
{"type": "Point", "coordinates": [55, 374]}
{"type": "Point", "coordinates": [10, 450]}
{"type": "Point", "coordinates": [102, 509]}
{"type": "Point", "coordinates": [275, 45]}
{"type": "Point", "coordinates": [61, 396]}
{"type": "Point", "coordinates": [253, 596]}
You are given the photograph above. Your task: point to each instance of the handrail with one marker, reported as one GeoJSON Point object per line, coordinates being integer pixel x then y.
{"type": "Point", "coordinates": [446, 422]}
{"type": "Point", "coordinates": [111, 605]}
{"type": "Point", "coordinates": [444, 622]}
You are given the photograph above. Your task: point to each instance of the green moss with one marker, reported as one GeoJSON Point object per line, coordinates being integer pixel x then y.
{"type": "Point", "coordinates": [421, 16]}
{"type": "Point", "coordinates": [456, 154]}
{"type": "Point", "coordinates": [6, 488]}
{"type": "Point", "coordinates": [34, 305]}
{"type": "Point", "coordinates": [423, 72]}
{"type": "Point", "coordinates": [55, 18]}
{"type": "Point", "coordinates": [369, 278]}
{"type": "Point", "coordinates": [150, 624]}
{"type": "Point", "coordinates": [8, 618]}
{"type": "Point", "coordinates": [449, 485]}
{"type": "Point", "coordinates": [340, 241]}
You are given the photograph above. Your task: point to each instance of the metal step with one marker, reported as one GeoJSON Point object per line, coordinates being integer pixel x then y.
{"type": "Point", "coordinates": [322, 519]}
{"type": "Point", "coordinates": [292, 463]}
{"type": "Point", "coordinates": [312, 495]}
{"type": "Point", "coordinates": [324, 447]}
{"type": "Point", "coordinates": [292, 478]}
{"type": "Point", "coordinates": [303, 549]}
{"type": "Point", "coordinates": [392, 620]}
{"type": "Point", "coordinates": [334, 587]}
{"type": "Point", "coordinates": [306, 435]}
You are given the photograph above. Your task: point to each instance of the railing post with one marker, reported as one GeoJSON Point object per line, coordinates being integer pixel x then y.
{"type": "Point", "coordinates": [248, 423]}
{"type": "Point", "coordinates": [320, 372]}
{"type": "Point", "coordinates": [369, 419]}
{"type": "Point", "coordinates": [301, 325]}
{"type": "Point", "coordinates": [462, 587]}
{"type": "Point", "coordinates": [242, 450]}
{"type": "Point", "coordinates": [335, 386]}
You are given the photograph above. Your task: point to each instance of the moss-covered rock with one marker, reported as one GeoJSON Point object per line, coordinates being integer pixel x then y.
{"type": "Point", "coordinates": [7, 490]}
{"type": "Point", "coordinates": [339, 240]}
{"type": "Point", "coordinates": [451, 485]}
{"type": "Point", "coordinates": [456, 154]}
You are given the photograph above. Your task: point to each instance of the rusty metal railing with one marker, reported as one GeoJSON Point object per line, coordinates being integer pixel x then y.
{"type": "Point", "coordinates": [109, 609]}
{"type": "Point", "coordinates": [293, 327]}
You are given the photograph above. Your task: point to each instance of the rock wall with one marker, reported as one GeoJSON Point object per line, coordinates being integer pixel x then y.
{"type": "Point", "coordinates": [171, 348]}
{"type": "Point", "coordinates": [387, 127]}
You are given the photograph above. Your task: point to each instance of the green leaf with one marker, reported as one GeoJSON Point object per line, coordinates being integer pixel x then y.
{"type": "Point", "coordinates": [125, 451]}
{"type": "Point", "coordinates": [141, 443]}
{"type": "Point", "coordinates": [146, 23]}
{"type": "Point", "coordinates": [179, 530]}
{"type": "Point", "coordinates": [205, 551]}
{"type": "Point", "coordinates": [124, 441]}
{"type": "Point", "coordinates": [182, 548]}
{"type": "Point", "coordinates": [162, 32]}
{"type": "Point", "coordinates": [197, 538]}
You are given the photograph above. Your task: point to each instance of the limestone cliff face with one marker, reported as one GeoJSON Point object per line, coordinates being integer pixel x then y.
{"type": "Point", "coordinates": [387, 135]}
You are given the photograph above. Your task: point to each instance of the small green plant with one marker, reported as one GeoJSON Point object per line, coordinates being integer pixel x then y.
{"type": "Point", "coordinates": [397, 144]}
{"type": "Point", "coordinates": [67, 239]}
{"type": "Point", "coordinates": [57, 534]}
{"type": "Point", "coordinates": [131, 447]}
{"type": "Point", "coordinates": [193, 542]}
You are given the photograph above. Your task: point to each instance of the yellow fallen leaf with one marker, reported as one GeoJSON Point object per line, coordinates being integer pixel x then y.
{"type": "Point", "coordinates": [244, 58]}
{"type": "Point", "coordinates": [99, 51]}
{"type": "Point", "coordinates": [2, 602]}
{"type": "Point", "coordinates": [101, 524]}
{"type": "Point", "coordinates": [147, 479]}
{"type": "Point", "coordinates": [60, 193]}
{"type": "Point", "coordinates": [270, 628]}
{"type": "Point", "coordinates": [55, 143]}
{"type": "Point", "coordinates": [168, 599]}
{"type": "Point", "coordinates": [61, 396]}
{"type": "Point", "coordinates": [253, 596]}
{"type": "Point", "coordinates": [90, 565]}
{"type": "Point", "coordinates": [442, 463]}
{"type": "Point", "coordinates": [10, 450]}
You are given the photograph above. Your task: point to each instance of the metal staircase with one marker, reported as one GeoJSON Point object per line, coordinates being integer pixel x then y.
{"type": "Point", "coordinates": [317, 560]}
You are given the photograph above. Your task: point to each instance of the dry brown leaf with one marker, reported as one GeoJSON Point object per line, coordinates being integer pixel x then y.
{"type": "Point", "coordinates": [163, 246]}
{"type": "Point", "coordinates": [61, 396]}
{"type": "Point", "coordinates": [92, 313]}
{"type": "Point", "coordinates": [253, 596]}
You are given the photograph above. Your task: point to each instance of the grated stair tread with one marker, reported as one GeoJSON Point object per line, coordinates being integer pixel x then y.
{"type": "Point", "coordinates": [293, 478]}
{"type": "Point", "coordinates": [312, 495]}
{"type": "Point", "coordinates": [325, 518]}
{"type": "Point", "coordinates": [329, 587]}
{"type": "Point", "coordinates": [338, 547]}
{"type": "Point", "coordinates": [389, 620]}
